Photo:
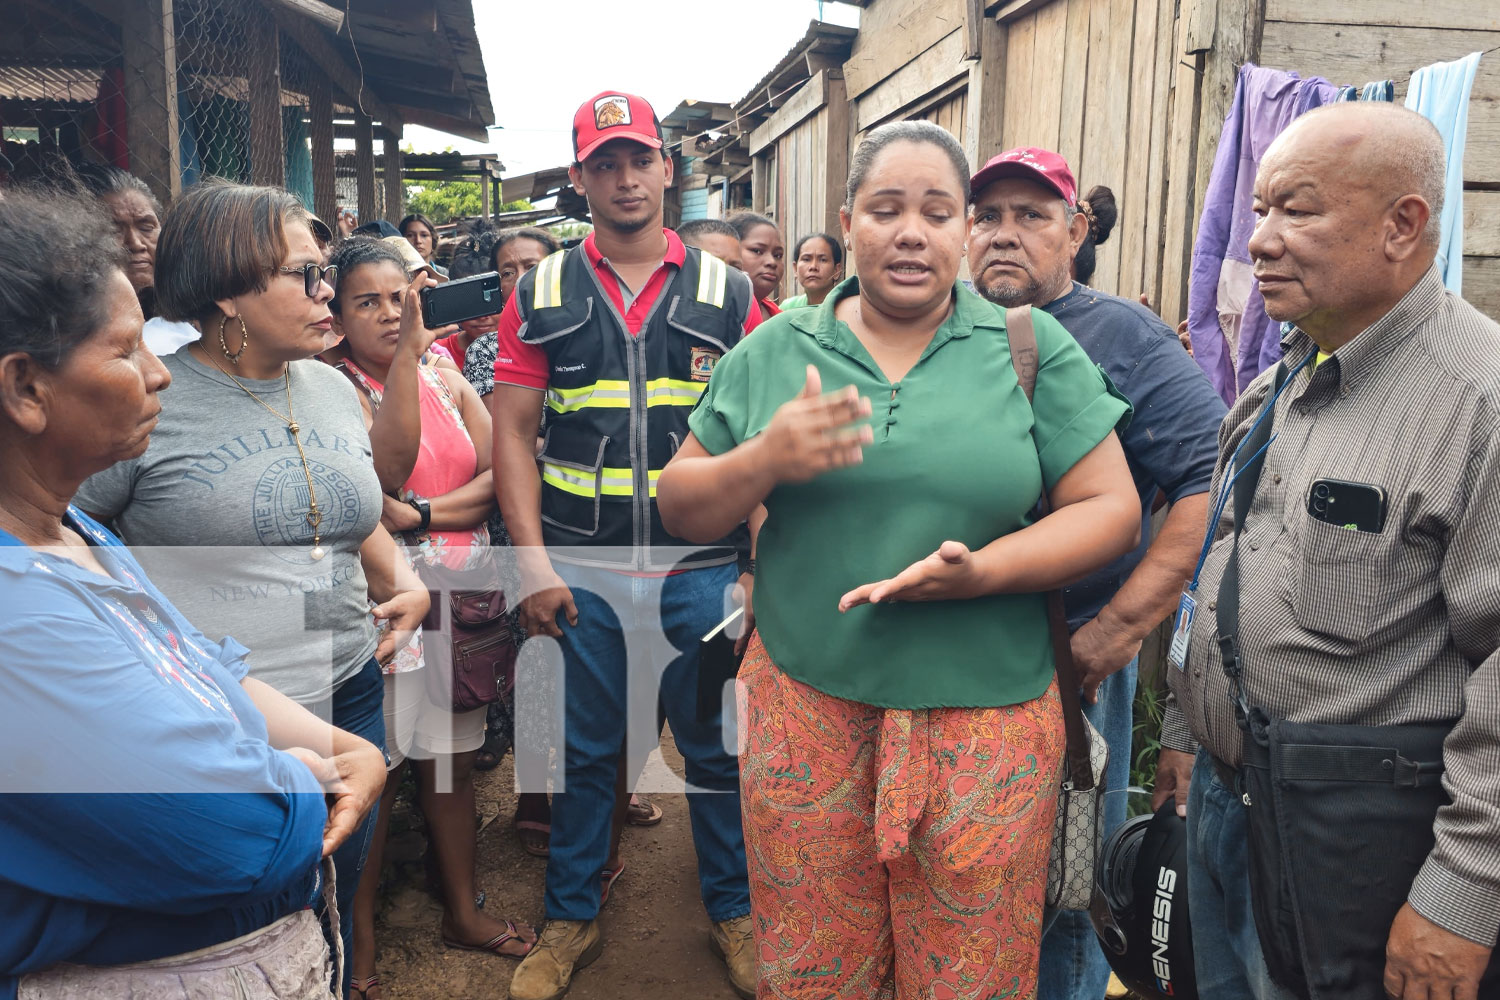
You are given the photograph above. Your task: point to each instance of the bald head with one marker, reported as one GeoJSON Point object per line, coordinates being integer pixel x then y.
{"type": "Point", "coordinates": [1348, 202]}
{"type": "Point", "coordinates": [1385, 148]}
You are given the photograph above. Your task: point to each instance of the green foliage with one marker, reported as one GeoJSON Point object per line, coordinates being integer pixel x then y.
{"type": "Point", "coordinates": [444, 201]}
{"type": "Point", "coordinates": [570, 230]}
{"type": "Point", "coordinates": [1150, 707]}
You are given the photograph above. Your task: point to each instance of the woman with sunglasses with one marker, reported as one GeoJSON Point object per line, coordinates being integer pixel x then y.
{"type": "Point", "coordinates": [256, 508]}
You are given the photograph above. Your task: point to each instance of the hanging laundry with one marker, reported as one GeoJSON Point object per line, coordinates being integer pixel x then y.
{"type": "Point", "coordinates": [1233, 339]}
{"type": "Point", "coordinates": [1379, 90]}
{"type": "Point", "coordinates": [1440, 92]}
{"type": "Point", "coordinates": [1348, 94]}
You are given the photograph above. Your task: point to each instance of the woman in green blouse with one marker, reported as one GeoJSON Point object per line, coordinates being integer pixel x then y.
{"type": "Point", "coordinates": [903, 732]}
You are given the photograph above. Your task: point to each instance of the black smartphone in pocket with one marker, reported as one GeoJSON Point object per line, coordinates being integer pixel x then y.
{"type": "Point", "coordinates": [456, 301]}
{"type": "Point", "coordinates": [1356, 506]}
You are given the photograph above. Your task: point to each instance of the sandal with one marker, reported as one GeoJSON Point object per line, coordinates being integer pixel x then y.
{"type": "Point", "coordinates": [642, 812]}
{"type": "Point", "coordinates": [535, 837]}
{"type": "Point", "coordinates": [494, 944]}
{"type": "Point", "coordinates": [607, 880]}
{"type": "Point", "coordinates": [363, 987]}
{"type": "Point", "coordinates": [491, 753]}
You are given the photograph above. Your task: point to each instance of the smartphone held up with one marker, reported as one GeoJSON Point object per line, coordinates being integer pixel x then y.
{"type": "Point", "coordinates": [460, 300]}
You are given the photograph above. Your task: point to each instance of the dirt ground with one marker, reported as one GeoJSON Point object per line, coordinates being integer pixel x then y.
{"type": "Point", "coordinates": [655, 930]}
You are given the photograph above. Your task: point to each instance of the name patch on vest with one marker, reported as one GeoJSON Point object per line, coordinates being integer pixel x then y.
{"type": "Point", "coordinates": [704, 359]}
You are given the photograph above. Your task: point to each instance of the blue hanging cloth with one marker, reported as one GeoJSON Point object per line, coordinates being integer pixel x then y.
{"type": "Point", "coordinates": [298, 163]}
{"type": "Point", "coordinates": [1440, 93]}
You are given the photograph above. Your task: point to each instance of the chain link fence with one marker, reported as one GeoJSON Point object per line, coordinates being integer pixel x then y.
{"type": "Point", "coordinates": [71, 73]}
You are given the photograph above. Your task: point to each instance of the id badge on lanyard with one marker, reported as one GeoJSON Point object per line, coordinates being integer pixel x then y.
{"type": "Point", "coordinates": [1182, 630]}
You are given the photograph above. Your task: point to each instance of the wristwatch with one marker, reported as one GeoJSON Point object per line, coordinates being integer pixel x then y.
{"type": "Point", "coordinates": [423, 508]}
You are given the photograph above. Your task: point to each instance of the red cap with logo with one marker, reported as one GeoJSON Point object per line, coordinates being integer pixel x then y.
{"type": "Point", "coordinates": [1040, 165]}
{"type": "Point", "coordinates": [613, 115]}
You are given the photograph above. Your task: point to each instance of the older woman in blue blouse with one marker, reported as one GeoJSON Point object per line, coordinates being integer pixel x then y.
{"type": "Point", "coordinates": [107, 689]}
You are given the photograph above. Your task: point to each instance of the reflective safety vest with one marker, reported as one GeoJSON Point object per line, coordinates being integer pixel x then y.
{"type": "Point", "coordinates": [618, 404]}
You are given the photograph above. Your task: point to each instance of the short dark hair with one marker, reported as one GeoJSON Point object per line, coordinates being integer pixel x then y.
{"type": "Point", "coordinates": [697, 228]}
{"type": "Point", "coordinates": [835, 248]}
{"type": "Point", "coordinates": [58, 255]}
{"type": "Point", "coordinates": [356, 252]}
{"type": "Point", "coordinates": [744, 222]}
{"type": "Point", "coordinates": [875, 142]}
{"type": "Point", "coordinates": [506, 236]}
{"type": "Point", "coordinates": [220, 240]}
{"type": "Point", "coordinates": [424, 220]}
{"type": "Point", "coordinates": [475, 252]}
{"type": "Point", "coordinates": [1102, 215]}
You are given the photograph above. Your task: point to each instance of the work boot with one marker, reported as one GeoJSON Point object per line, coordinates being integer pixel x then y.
{"type": "Point", "coordinates": [734, 941]}
{"type": "Point", "coordinates": [564, 947]}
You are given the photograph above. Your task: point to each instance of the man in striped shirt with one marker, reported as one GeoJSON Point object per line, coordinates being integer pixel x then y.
{"type": "Point", "coordinates": [1393, 624]}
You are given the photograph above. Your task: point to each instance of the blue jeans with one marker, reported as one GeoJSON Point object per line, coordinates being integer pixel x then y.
{"type": "Point", "coordinates": [1226, 949]}
{"type": "Point", "coordinates": [634, 652]}
{"type": "Point", "coordinates": [1073, 965]}
{"type": "Point", "coordinates": [356, 707]}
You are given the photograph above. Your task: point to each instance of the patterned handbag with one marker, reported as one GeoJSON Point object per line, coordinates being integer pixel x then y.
{"type": "Point", "coordinates": [1077, 835]}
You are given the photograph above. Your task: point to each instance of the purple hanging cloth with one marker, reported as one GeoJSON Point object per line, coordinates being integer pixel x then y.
{"type": "Point", "coordinates": [1233, 339]}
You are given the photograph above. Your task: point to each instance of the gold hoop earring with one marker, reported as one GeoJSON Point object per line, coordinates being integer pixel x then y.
{"type": "Point", "coordinates": [234, 358]}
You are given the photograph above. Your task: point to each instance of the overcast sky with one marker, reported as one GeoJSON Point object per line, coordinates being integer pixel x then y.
{"type": "Point", "coordinates": [707, 50]}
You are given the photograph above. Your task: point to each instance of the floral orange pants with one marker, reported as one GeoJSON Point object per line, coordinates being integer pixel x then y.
{"type": "Point", "coordinates": [895, 853]}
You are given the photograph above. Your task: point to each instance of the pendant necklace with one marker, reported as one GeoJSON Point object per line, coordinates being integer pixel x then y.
{"type": "Point", "coordinates": [314, 515]}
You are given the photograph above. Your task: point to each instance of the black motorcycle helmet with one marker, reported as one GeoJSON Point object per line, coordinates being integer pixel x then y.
{"type": "Point", "coordinates": [1140, 908]}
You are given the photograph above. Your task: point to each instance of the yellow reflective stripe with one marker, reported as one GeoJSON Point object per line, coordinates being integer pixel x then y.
{"type": "Point", "coordinates": [605, 393]}
{"type": "Point", "coordinates": [713, 278]}
{"type": "Point", "coordinates": [609, 482]}
{"type": "Point", "coordinates": [555, 293]}
{"type": "Point", "coordinates": [616, 482]}
{"type": "Point", "coordinates": [569, 480]}
{"type": "Point", "coordinates": [673, 392]}
{"type": "Point", "coordinates": [614, 394]}
{"type": "Point", "coordinates": [539, 286]}
{"type": "Point", "coordinates": [548, 289]}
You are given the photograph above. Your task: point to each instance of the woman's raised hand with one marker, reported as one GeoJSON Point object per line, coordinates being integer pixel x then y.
{"type": "Point", "coordinates": [415, 338]}
{"type": "Point", "coordinates": [813, 432]}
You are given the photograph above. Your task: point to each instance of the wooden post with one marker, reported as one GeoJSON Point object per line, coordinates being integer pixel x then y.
{"type": "Point", "coordinates": [393, 190]}
{"type": "Point", "coordinates": [320, 111]}
{"type": "Point", "coordinates": [263, 49]}
{"type": "Point", "coordinates": [1236, 40]}
{"type": "Point", "coordinates": [364, 166]}
{"type": "Point", "coordinates": [986, 103]}
{"type": "Point", "coordinates": [1181, 215]}
{"type": "Point", "coordinates": [485, 204]}
{"type": "Point", "coordinates": [838, 133]}
{"type": "Point", "coordinates": [149, 36]}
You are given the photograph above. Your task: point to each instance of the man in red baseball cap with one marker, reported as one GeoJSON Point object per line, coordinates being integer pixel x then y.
{"type": "Point", "coordinates": [618, 336]}
{"type": "Point", "coordinates": [1032, 264]}
{"type": "Point", "coordinates": [1028, 226]}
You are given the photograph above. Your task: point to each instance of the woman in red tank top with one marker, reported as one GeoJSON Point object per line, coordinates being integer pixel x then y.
{"type": "Point", "coordinates": [430, 437]}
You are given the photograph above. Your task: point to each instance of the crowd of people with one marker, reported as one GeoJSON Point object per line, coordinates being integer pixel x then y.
{"type": "Point", "coordinates": [317, 490]}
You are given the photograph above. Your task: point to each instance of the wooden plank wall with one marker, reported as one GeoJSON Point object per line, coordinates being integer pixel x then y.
{"type": "Point", "coordinates": [952, 113]}
{"type": "Point", "coordinates": [802, 156]}
{"type": "Point", "coordinates": [1354, 41]}
{"type": "Point", "coordinates": [1095, 80]}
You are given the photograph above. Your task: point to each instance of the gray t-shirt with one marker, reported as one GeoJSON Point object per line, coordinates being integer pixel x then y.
{"type": "Point", "coordinates": [216, 511]}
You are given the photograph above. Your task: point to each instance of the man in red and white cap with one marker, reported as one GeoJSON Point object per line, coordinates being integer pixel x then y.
{"type": "Point", "coordinates": [619, 336]}
{"type": "Point", "coordinates": [1028, 225]}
